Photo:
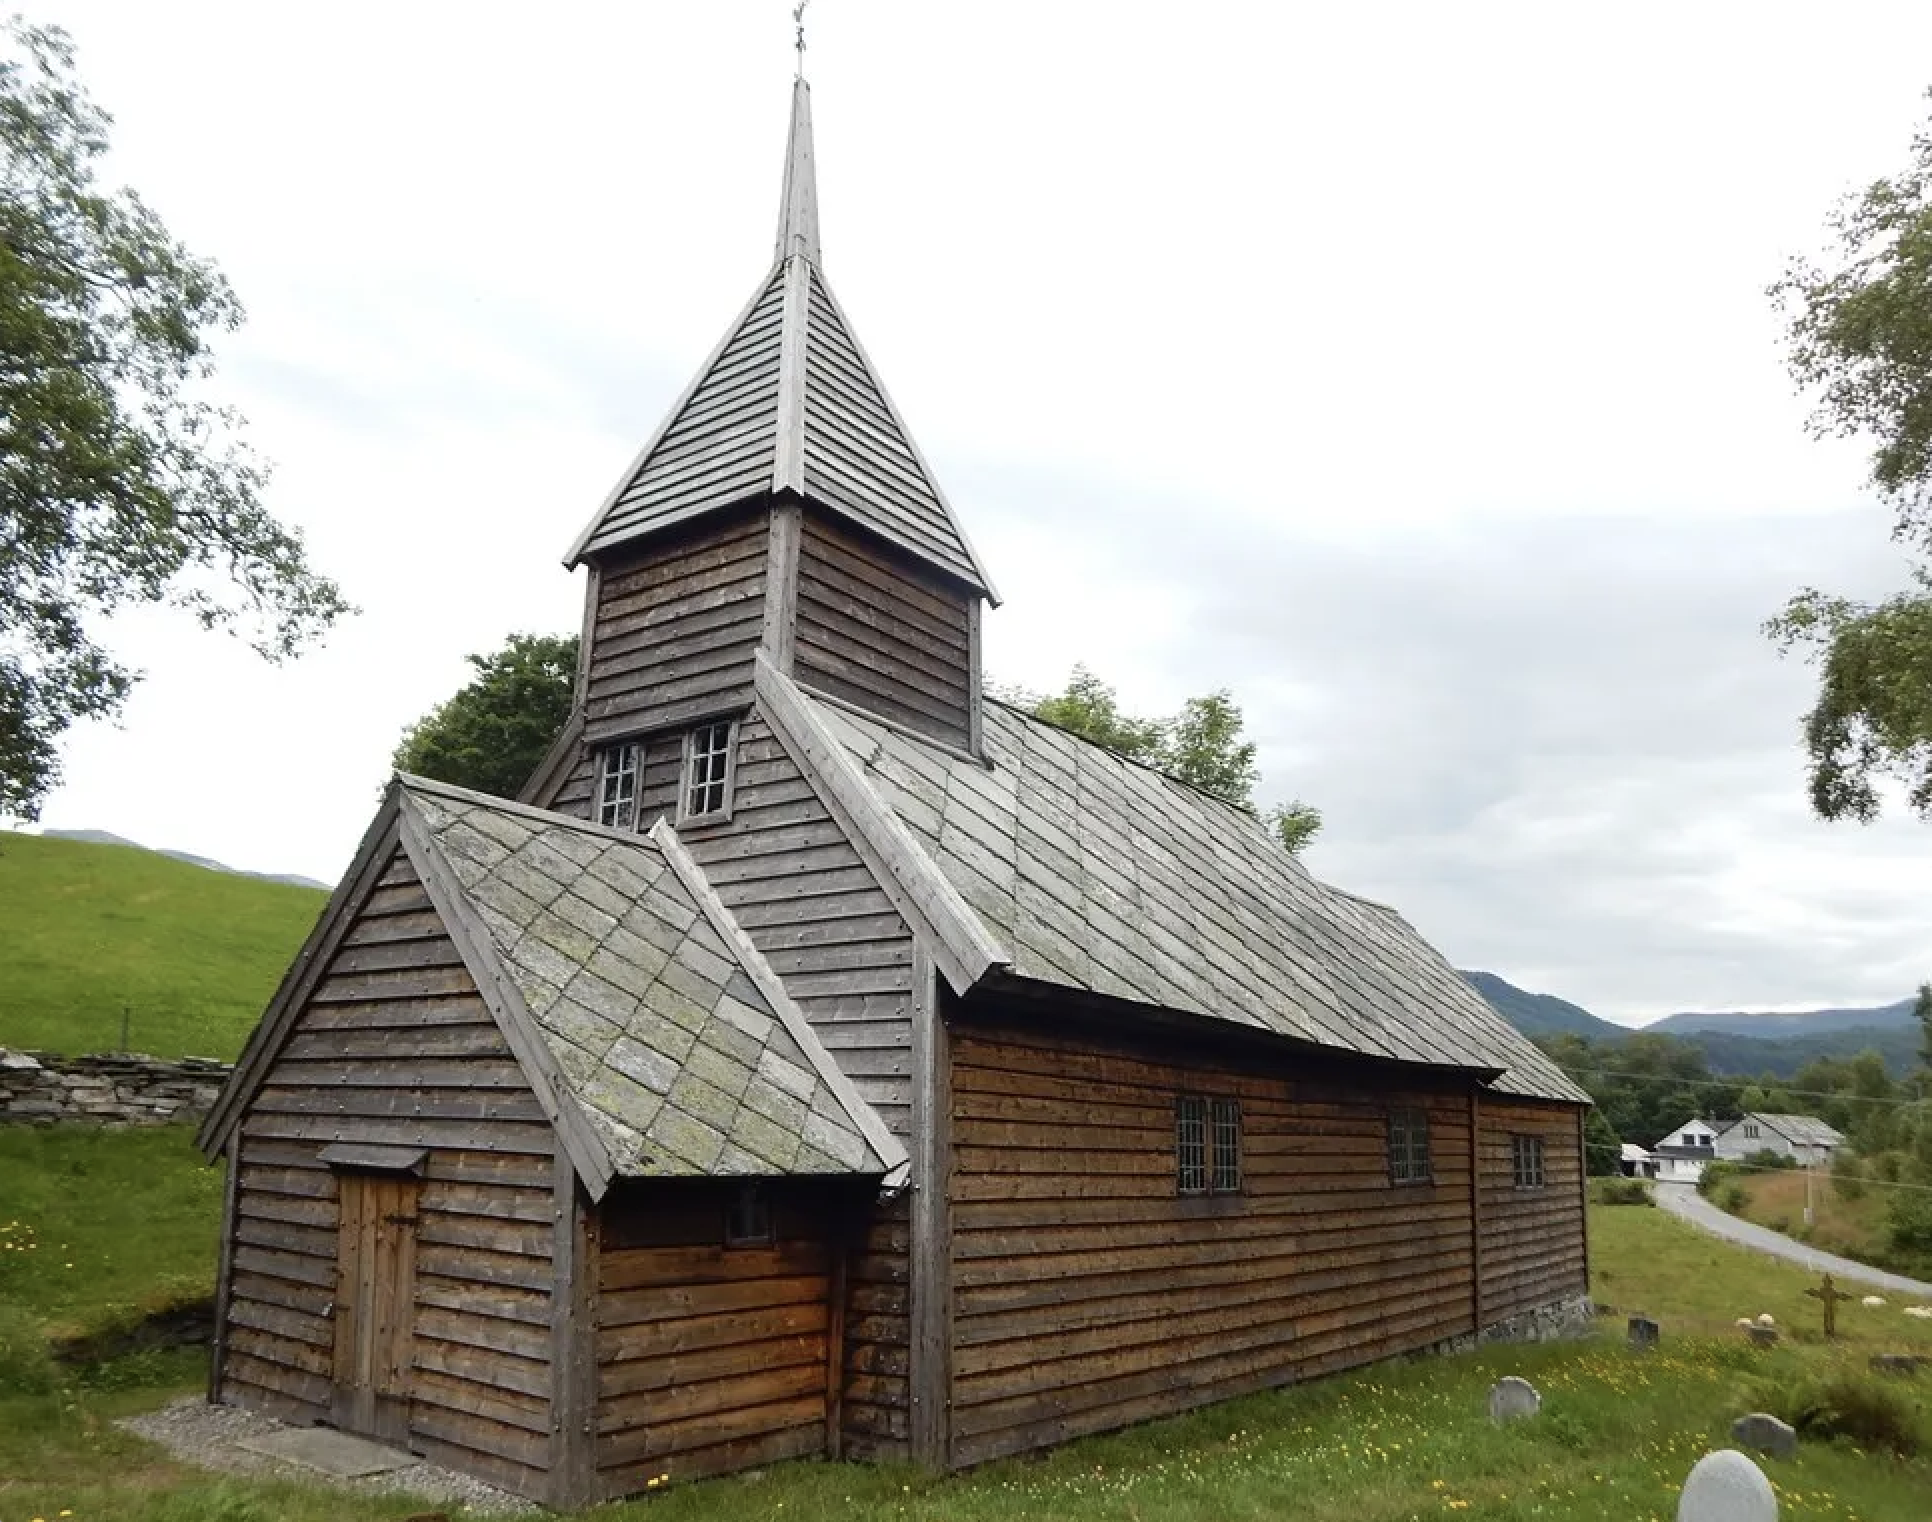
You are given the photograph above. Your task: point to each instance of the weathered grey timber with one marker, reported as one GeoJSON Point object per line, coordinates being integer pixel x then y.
{"type": "Point", "coordinates": [788, 402]}
{"type": "Point", "coordinates": [1088, 871]}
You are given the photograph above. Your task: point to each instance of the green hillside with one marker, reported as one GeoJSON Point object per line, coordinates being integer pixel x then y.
{"type": "Point", "coordinates": [86, 929]}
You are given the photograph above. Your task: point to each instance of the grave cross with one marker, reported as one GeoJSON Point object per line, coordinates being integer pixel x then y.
{"type": "Point", "coordinates": [1831, 1294]}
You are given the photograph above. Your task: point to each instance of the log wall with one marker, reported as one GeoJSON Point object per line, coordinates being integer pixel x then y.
{"type": "Point", "coordinates": [395, 1046]}
{"type": "Point", "coordinates": [1088, 1294]}
{"type": "Point", "coordinates": [879, 634]}
{"type": "Point", "coordinates": [710, 1358]}
{"type": "Point", "coordinates": [1532, 1239]}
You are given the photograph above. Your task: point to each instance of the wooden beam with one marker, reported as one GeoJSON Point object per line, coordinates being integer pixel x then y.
{"type": "Point", "coordinates": [224, 1273]}
{"type": "Point", "coordinates": [842, 1230]}
{"type": "Point", "coordinates": [941, 920]}
{"type": "Point", "coordinates": [378, 841]}
{"type": "Point", "coordinates": [975, 696]}
{"type": "Point", "coordinates": [781, 583]}
{"type": "Point", "coordinates": [573, 1350]}
{"type": "Point", "coordinates": [1475, 1212]}
{"type": "Point", "coordinates": [932, 1269]}
{"type": "Point", "coordinates": [573, 1130]}
{"type": "Point", "coordinates": [890, 1149]}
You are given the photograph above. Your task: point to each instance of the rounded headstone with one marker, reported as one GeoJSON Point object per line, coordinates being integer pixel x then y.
{"type": "Point", "coordinates": [1763, 1336]}
{"type": "Point", "coordinates": [1727, 1487]}
{"type": "Point", "coordinates": [1644, 1333]}
{"type": "Point", "coordinates": [1511, 1399]}
{"type": "Point", "coordinates": [1764, 1432]}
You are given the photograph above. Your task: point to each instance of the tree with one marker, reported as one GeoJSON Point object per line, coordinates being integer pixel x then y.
{"type": "Point", "coordinates": [1859, 335]}
{"type": "Point", "coordinates": [1202, 744]}
{"type": "Point", "coordinates": [1922, 1012]}
{"type": "Point", "coordinates": [120, 482]}
{"type": "Point", "coordinates": [1602, 1147]}
{"type": "Point", "coordinates": [493, 733]}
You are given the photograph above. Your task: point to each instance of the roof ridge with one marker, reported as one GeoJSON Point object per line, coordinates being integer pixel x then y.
{"type": "Point", "coordinates": [414, 782]}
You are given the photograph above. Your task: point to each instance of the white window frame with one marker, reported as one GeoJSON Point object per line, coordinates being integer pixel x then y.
{"type": "Point", "coordinates": [614, 764]}
{"type": "Point", "coordinates": [687, 773]}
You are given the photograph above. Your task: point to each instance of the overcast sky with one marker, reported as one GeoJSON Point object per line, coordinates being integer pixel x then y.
{"type": "Point", "coordinates": [1404, 368]}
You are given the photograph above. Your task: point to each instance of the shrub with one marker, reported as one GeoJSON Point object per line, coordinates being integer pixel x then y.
{"type": "Point", "coordinates": [1713, 1178]}
{"type": "Point", "coordinates": [1620, 1191]}
{"type": "Point", "coordinates": [1848, 1175]}
{"type": "Point", "coordinates": [1889, 1166]}
{"type": "Point", "coordinates": [1764, 1157]}
{"type": "Point", "coordinates": [1731, 1197]}
{"type": "Point", "coordinates": [1908, 1220]}
{"type": "Point", "coordinates": [1841, 1402]}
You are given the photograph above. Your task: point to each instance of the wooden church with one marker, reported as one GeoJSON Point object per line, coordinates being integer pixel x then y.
{"type": "Point", "coordinates": [825, 1059]}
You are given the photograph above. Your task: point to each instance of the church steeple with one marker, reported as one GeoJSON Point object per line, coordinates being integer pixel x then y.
{"type": "Point", "coordinates": [798, 208]}
{"type": "Point", "coordinates": [788, 407]}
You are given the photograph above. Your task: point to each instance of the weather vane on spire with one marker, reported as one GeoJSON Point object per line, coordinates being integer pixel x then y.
{"type": "Point", "coordinates": [798, 21]}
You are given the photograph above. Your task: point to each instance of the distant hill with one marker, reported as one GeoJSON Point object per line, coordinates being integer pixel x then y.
{"type": "Point", "coordinates": [88, 926]}
{"type": "Point", "coordinates": [1541, 1014]}
{"type": "Point", "coordinates": [1808, 1023]}
{"type": "Point", "coordinates": [107, 838]}
{"type": "Point", "coordinates": [1734, 1044]}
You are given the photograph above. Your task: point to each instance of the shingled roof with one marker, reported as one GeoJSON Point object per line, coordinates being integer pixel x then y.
{"type": "Point", "coordinates": [788, 401]}
{"type": "Point", "coordinates": [1090, 872]}
{"type": "Point", "coordinates": [648, 1001]}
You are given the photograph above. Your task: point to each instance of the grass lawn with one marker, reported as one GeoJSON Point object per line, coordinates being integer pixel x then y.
{"type": "Point", "coordinates": [1850, 1228]}
{"type": "Point", "coordinates": [193, 954]}
{"type": "Point", "coordinates": [1396, 1443]}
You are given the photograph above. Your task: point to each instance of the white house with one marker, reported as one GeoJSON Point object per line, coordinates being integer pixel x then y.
{"type": "Point", "coordinates": [1682, 1154]}
{"type": "Point", "coordinates": [1637, 1162]}
{"type": "Point", "coordinates": [1804, 1137]}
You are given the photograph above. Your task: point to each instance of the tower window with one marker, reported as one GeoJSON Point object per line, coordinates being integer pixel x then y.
{"type": "Point", "coordinates": [617, 768]}
{"type": "Point", "coordinates": [708, 768]}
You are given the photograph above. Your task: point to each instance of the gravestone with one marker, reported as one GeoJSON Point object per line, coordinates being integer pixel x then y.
{"type": "Point", "coordinates": [1727, 1487]}
{"type": "Point", "coordinates": [1763, 1336]}
{"type": "Point", "coordinates": [1899, 1363]}
{"type": "Point", "coordinates": [1764, 1432]}
{"type": "Point", "coordinates": [1511, 1399]}
{"type": "Point", "coordinates": [1830, 1294]}
{"type": "Point", "coordinates": [1644, 1334]}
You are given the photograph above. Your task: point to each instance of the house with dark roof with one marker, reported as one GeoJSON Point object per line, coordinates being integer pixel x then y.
{"type": "Point", "coordinates": [1804, 1137]}
{"type": "Point", "coordinates": [822, 1058]}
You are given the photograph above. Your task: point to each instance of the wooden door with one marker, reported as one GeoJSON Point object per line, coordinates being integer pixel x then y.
{"type": "Point", "coordinates": [374, 1299]}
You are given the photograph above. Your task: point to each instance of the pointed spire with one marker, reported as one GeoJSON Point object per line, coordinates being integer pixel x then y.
{"type": "Point", "coordinates": [798, 211]}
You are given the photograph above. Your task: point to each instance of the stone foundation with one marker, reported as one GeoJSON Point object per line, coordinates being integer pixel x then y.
{"type": "Point", "coordinates": [117, 1089]}
{"type": "Point", "coordinates": [1558, 1321]}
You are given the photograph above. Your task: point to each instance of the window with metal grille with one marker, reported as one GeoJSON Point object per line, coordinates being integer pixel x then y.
{"type": "Point", "coordinates": [1409, 1147]}
{"type": "Point", "coordinates": [1226, 1176]}
{"type": "Point", "coordinates": [1190, 1143]}
{"type": "Point", "coordinates": [1526, 1161]}
{"type": "Point", "coordinates": [707, 773]}
{"type": "Point", "coordinates": [617, 768]}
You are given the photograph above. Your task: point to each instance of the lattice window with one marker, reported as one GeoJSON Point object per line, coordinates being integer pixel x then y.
{"type": "Point", "coordinates": [708, 768]}
{"type": "Point", "coordinates": [617, 770]}
{"type": "Point", "coordinates": [1526, 1161]}
{"type": "Point", "coordinates": [1191, 1143]}
{"type": "Point", "coordinates": [1207, 1145]}
{"type": "Point", "coordinates": [1409, 1161]}
{"type": "Point", "coordinates": [1226, 1175]}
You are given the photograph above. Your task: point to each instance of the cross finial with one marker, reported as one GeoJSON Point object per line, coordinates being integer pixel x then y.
{"type": "Point", "coordinates": [798, 22]}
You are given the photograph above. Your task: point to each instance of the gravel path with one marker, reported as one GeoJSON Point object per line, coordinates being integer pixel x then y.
{"type": "Point", "coordinates": [211, 1437]}
{"type": "Point", "coordinates": [1683, 1201]}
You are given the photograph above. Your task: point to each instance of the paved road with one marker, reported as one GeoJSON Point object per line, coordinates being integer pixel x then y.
{"type": "Point", "coordinates": [1684, 1201]}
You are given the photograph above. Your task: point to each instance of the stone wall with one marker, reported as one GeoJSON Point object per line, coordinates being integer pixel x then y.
{"type": "Point", "coordinates": [117, 1089]}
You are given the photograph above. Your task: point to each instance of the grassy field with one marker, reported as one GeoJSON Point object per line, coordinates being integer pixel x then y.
{"type": "Point", "coordinates": [1850, 1228]}
{"type": "Point", "coordinates": [1397, 1443]}
{"type": "Point", "coordinates": [192, 954]}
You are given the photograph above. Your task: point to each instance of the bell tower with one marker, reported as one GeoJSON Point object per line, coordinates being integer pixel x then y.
{"type": "Point", "coordinates": [781, 505]}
